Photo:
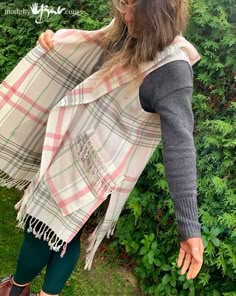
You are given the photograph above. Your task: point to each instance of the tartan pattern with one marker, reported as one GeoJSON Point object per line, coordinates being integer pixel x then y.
{"type": "Point", "coordinates": [77, 135]}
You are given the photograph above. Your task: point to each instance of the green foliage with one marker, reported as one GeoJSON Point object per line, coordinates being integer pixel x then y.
{"type": "Point", "coordinates": [19, 32]}
{"type": "Point", "coordinates": [147, 227]}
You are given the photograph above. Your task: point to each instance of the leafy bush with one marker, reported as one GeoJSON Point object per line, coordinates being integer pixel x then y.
{"type": "Point", "coordinates": [19, 32]}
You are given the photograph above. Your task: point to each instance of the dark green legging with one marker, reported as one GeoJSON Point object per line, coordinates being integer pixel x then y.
{"type": "Point", "coordinates": [35, 254]}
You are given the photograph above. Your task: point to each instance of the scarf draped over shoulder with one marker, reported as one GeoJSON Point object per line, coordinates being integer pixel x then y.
{"type": "Point", "coordinates": [75, 135]}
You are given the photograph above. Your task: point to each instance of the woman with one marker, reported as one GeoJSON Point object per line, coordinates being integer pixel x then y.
{"type": "Point", "coordinates": [134, 88]}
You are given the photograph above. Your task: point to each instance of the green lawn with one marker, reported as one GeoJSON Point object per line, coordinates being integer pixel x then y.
{"type": "Point", "coordinates": [107, 277]}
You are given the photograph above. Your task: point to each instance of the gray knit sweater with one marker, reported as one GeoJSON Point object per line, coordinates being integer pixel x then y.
{"type": "Point", "coordinates": [168, 91]}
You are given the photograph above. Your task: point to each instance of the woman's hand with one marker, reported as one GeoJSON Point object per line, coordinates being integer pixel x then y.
{"type": "Point", "coordinates": [45, 39]}
{"type": "Point", "coordinates": [191, 255]}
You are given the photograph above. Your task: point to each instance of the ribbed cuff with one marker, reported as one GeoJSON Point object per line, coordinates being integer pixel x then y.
{"type": "Point", "coordinates": [186, 212]}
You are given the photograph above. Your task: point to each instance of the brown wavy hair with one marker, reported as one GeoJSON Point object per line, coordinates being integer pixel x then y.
{"type": "Point", "coordinates": [156, 23]}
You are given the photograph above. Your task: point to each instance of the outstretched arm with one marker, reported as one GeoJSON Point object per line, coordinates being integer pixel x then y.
{"type": "Point", "coordinates": [180, 170]}
{"type": "Point", "coordinates": [168, 91]}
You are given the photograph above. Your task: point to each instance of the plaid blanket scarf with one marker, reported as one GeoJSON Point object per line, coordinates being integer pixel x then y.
{"type": "Point", "coordinates": [74, 136]}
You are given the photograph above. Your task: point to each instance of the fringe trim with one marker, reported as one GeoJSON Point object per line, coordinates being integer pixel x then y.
{"type": "Point", "coordinates": [44, 232]}
{"type": "Point", "coordinates": [21, 206]}
{"type": "Point", "coordinates": [9, 182]}
{"type": "Point", "coordinates": [96, 170]}
{"type": "Point", "coordinates": [95, 240]}
{"type": "Point", "coordinates": [111, 229]}
{"type": "Point", "coordinates": [63, 250]}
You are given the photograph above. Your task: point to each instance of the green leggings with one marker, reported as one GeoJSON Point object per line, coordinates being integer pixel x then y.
{"type": "Point", "coordinates": [35, 254]}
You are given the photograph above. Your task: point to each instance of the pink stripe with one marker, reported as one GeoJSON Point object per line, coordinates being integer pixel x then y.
{"type": "Point", "coordinates": [107, 83]}
{"type": "Point", "coordinates": [93, 208]}
{"type": "Point", "coordinates": [123, 190]}
{"type": "Point", "coordinates": [59, 126]}
{"type": "Point", "coordinates": [68, 135]}
{"type": "Point", "coordinates": [51, 135]}
{"type": "Point", "coordinates": [89, 36]}
{"type": "Point", "coordinates": [84, 90]}
{"type": "Point", "coordinates": [21, 79]}
{"type": "Point", "coordinates": [49, 148]}
{"type": "Point", "coordinates": [121, 166]}
{"type": "Point", "coordinates": [52, 187]}
{"type": "Point", "coordinates": [119, 73]}
{"type": "Point", "coordinates": [56, 140]}
{"type": "Point", "coordinates": [54, 147]}
{"type": "Point", "coordinates": [85, 35]}
{"type": "Point", "coordinates": [74, 197]}
{"type": "Point", "coordinates": [117, 172]}
{"type": "Point", "coordinates": [24, 111]}
{"type": "Point", "coordinates": [131, 179]}
{"type": "Point", "coordinates": [14, 90]}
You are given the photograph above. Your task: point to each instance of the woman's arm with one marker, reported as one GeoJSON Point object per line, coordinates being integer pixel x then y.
{"type": "Point", "coordinates": [168, 91]}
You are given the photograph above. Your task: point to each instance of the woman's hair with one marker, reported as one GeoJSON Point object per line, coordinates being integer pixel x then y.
{"type": "Point", "coordinates": [156, 23]}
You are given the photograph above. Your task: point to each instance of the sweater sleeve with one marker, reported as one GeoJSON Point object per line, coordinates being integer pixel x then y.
{"type": "Point", "coordinates": [168, 91]}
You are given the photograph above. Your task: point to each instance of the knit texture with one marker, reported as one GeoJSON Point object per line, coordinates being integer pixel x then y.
{"type": "Point", "coordinates": [173, 101]}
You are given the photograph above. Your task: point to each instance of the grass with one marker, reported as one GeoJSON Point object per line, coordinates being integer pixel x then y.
{"type": "Point", "coordinates": [106, 278]}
